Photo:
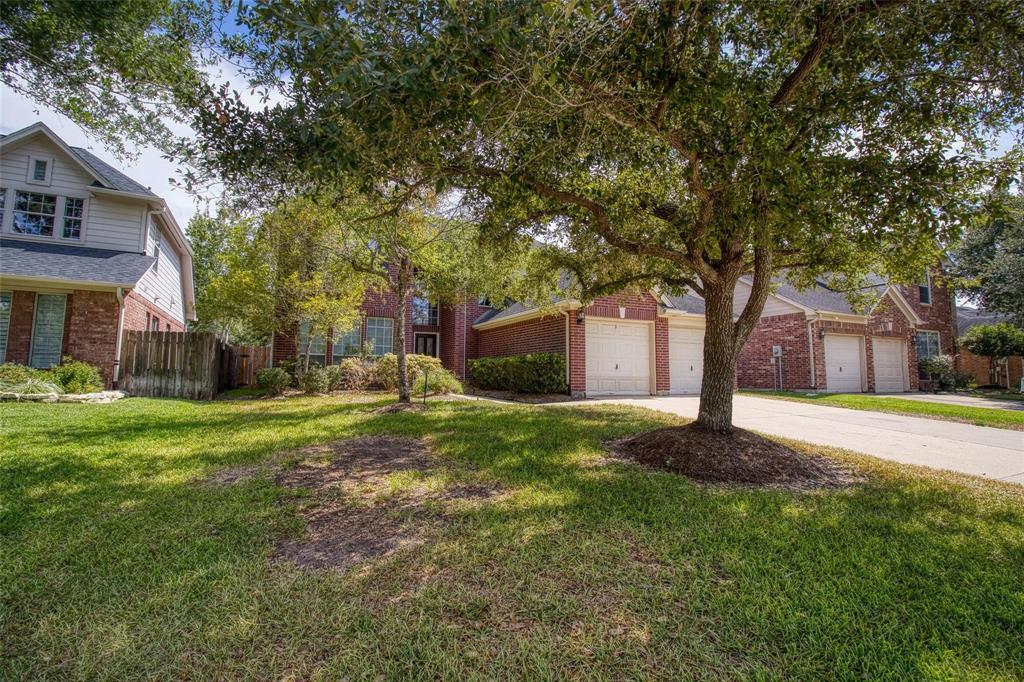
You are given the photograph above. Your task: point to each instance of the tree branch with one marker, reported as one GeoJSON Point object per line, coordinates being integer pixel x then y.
{"type": "Point", "coordinates": [823, 34]}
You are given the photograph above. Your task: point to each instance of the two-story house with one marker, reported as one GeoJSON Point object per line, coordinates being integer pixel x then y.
{"type": "Point", "coordinates": [646, 343]}
{"type": "Point", "coordinates": [85, 252]}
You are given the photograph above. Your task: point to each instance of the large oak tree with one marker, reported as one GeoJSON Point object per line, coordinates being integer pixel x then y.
{"type": "Point", "coordinates": [682, 144]}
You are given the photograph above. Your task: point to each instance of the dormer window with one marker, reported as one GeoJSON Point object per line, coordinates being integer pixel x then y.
{"type": "Point", "coordinates": [924, 288]}
{"type": "Point", "coordinates": [40, 170]}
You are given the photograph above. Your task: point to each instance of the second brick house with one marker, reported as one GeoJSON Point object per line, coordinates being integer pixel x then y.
{"type": "Point", "coordinates": [646, 343]}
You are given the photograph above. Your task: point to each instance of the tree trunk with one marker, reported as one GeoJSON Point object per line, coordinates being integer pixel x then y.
{"type": "Point", "coordinates": [720, 351]}
{"type": "Point", "coordinates": [305, 352]}
{"type": "Point", "coordinates": [402, 292]}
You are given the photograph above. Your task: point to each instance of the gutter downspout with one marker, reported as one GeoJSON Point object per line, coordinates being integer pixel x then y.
{"type": "Point", "coordinates": [120, 333]}
{"type": "Point", "coordinates": [568, 363]}
{"type": "Point", "coordinates": [810, 351]}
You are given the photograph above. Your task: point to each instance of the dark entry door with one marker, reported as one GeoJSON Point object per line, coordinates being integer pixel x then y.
{"type": "Point", "coordinates": [426, 344]}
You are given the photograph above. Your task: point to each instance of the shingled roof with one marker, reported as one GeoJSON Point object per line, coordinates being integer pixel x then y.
{"type": "Point", "coordinates": [972, 317]}
{"type": "Point", "coordinates": [43, 260]}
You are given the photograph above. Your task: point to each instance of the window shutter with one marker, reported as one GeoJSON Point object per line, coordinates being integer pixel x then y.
{"type": "Point", "coordinates": [48, 330]}
{"type": "Point", "coordinates": [5, 322]}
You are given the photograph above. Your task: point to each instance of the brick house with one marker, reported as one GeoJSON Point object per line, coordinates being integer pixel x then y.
{"type": "Point", "coordinates": [646, 343]}
{"type": "Point", "coordinates": [85, 252]}
{"type": "Point", "coordinates": [815, 339]}
{"type": "Point", "coordinates": [1007, 374]}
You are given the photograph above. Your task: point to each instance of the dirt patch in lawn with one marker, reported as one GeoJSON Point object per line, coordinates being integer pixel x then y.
{"type": "Point", "coordinates": [400, 407]}
{"type": "Point", "coordinates": [740, 458]}
{"type": "Point", "coordinates": [367, 497]}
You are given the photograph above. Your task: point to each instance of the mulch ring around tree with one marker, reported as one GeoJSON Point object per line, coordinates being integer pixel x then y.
{"type": "Point", "coordinates": [364, 498]}
{"type": "Point", "coordinates": [740, 458]}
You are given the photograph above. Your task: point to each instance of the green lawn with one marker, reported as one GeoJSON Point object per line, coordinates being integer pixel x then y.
{"type": "Point", "coordinates": [981, 416]}
{"type": "Point", "coordinates": [118, 561]}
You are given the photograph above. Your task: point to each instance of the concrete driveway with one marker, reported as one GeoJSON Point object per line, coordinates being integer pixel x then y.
{"type": "Point", "coordinates": [977, 450]}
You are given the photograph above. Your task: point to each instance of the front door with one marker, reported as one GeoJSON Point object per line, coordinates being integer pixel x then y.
{"type": "Point", "coordinates": [425, 344]}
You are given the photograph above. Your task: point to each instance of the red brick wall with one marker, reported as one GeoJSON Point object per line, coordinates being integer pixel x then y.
{"type": "Point", "coordinates": [539, 335]}
{"type": "Point", "coordinates": [577, 357]}
{"type": "Point", "coordinates": [661, 359]}
{"type": "Point", "coordinates": [888, 321]}
{"type": "Point", "coordinates": [980, 368]}
{"type": "Point", "coordinates": [19, 333]}
{"type": "Point", "coordinates": [755, 367]}
{"type": "Point", "coordinates": [135, 310]}
{"type": "Point", "coordinates": [90, 332]}
{"type": "Point", "coordinates": [940, 316]}
{"type": "Point", "coordinates": [90, 329]}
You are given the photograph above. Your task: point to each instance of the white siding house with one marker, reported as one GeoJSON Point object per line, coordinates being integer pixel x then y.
{"type": "Point", "coordinates": [85, 253]}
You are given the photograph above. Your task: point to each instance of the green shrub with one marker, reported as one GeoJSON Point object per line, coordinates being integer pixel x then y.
{"type": "Point", "coordinates": [13, 373]}
{"type": "Point", "coordinates": [290, 367]}
{"type": "Point", "coordinates": [76, 377]}
{"type": "Point", "coordinates": [273, 380]}
{"type": "Point", "coordinates": [939, 368]}
{"type": "Point", "coordinates": [315, 380]}
{"type": "Point", "coordinates": [333, 374]}
{"type": "Point", "coordinates": [530, 373]}
{"type": "Point", "coordinates": [438, 381]}
{"type": "Point", "coordinates": [354, 374]}
{"type": "Point", "coordinates": [385, 369]}
{"type": "Point", "coordinates": [32, 386]}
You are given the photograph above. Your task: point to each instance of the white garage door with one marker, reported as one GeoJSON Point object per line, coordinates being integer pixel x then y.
{"type": "Point", "coordinates": [618, 358]}
{"type": "Point", "coordinates": [685, 359]}
{"type": "Point", "coordinates": [889, 355]}
{"type": "Point", "coordinates": [842, 364]}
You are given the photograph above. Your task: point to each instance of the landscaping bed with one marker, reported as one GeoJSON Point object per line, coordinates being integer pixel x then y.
{"type": "Point", "coordinates": [313, 538]}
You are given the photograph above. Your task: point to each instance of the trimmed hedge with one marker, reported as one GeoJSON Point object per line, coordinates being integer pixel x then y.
{"type": "Point", "coordinates": [530, 373]}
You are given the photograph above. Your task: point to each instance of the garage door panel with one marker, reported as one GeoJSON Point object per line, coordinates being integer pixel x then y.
{"type": "Point", "coordinates": [889, 356]}
{"type": "Point", "coordinates": [843, 364]}
{"type": "Point", "coordinates": [618, 358]}
{"type": "Point", "coordinates": [686, 360]}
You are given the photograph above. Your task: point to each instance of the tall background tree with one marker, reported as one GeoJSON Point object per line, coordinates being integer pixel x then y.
{"type": "Point", "coordinates": [679, 144]}
{"type": "Point", "coordinates": [989, 262]}
{"type": "Point", "coordinates": [277, 271]}
{"type": "Point", "coordinates": [117, 68]}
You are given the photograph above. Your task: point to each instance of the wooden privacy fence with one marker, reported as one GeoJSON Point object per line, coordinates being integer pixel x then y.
{"type": "Point", "coordinates": [185, 364]}
{"type": "Point", "coordinates": [239, 365]}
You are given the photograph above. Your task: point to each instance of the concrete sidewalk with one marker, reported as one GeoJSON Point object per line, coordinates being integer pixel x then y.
{"type": "Point", "coordinates": [977, 450]}
{"type": "Point", "coordinates": [957, 399]}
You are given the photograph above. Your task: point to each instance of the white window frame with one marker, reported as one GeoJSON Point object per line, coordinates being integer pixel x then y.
{"type": "Point", "coordinates": [432, 306]}
{"type": "Point", "coordinates": [5, 323]}
{"type": "Point", "coordinates": [927, 286]}
{"type": "Point", "coordinates": [335, 354]}
{"type": "Point", "coordinates": [938, 342]}
{"type": "Point", "coordinates": [30, 176]}
{"type": "Point", "coordinates": [318, 341]}
{"type": "Point", "coordinates": [35, 321]}
{"type": "Point", "coordinates": [64, 217]}
{"type": "Point", "coordinates": [3, 206]}
{"type": "Point", "coordinates": [157, 240]}
{"type": "Point", "coordinates": [57, 212]}
{"type": "Point", "coordinates": [371, 322]}
{"type": "Point", "coordinates": [7, 214]}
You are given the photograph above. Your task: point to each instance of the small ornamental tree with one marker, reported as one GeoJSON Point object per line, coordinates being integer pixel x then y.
{"type": "Point", "coordinates": [995, 342]}
{"type": "Point", "coordinates": [680, 144]}
{"type": "Point", "coordinates": [283, 268]}
{"type": "Point", "coordinates": [408, 248]}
